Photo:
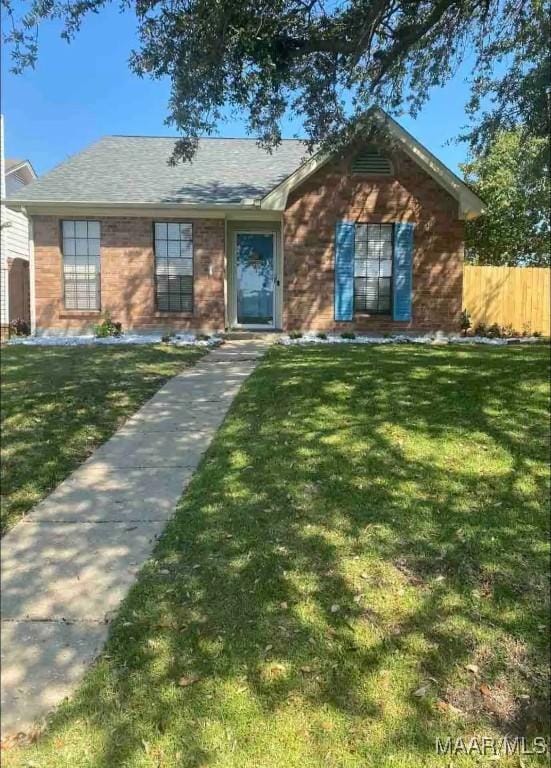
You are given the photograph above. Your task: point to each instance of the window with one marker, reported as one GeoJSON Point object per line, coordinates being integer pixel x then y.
{"type": "Point", "coordinates": [81, 264]}
{"type": "Point", "coordinates": [373, 268]}
{"type": "Point", "coordinates": [174, 267]}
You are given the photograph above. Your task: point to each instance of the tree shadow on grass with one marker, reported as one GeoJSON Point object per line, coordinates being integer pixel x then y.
{"type": "Point", "coordinates": [59, 403]}
{"type": "Point", "coordinates": [367, 523]}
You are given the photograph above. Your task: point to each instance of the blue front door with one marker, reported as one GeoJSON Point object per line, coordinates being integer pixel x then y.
{"type": "Point", "coordinates": [254, 255]}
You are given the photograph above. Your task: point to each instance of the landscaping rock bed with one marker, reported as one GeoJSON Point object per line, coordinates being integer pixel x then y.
{"type": "Point", "coordinates": [179, 340]}
{"type": "Point", "coordinates": [436, 339]}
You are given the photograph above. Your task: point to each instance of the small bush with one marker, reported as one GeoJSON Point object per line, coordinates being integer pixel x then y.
{"type": "Point", "coordinates": [465, 322]}
{"type": "Point", "coordinates": [348, 335]}
{"type": "Point", "coordinates": [494, 331]}
{"type": "Point", "coordinates": [481, 330]}
{"type": "Point", "coordinates": [19, 327]}
{"type": "Point", "coordinates": [202, 337]}
{"type": "Point", "coordinates": [165, 338]}
{"type": "Point", "coordinates": [295, 335]}
{"type": "Point", "coordinates": [107, 328]}
{"type": "Point", "coordinates": [497, 331]}
{"type": "Point", "coordinates": [507, 331]}
{"type": "Point", "coordinates": [321, 335]}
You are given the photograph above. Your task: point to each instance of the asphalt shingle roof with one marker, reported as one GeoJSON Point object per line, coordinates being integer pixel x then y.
{"type": "Point", "coordinates": [124, 169]}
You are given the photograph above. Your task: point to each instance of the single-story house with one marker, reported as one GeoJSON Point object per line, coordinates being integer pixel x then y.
{"type": "Point", "coordinates": [370, 239]}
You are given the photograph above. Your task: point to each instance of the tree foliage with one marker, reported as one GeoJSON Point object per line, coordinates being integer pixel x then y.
{"type": "Point", "coordinates": [327, 60]}
{"type": "Point", "coordinates": [515, 186]}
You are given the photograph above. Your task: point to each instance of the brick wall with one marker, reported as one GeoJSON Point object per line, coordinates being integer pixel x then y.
{"type": "Point", "coordinates": [333, 193]}
{"type": "Point", "coordinates": [127, 277]}
{"type": "Point", "coordinates": [127, 261]}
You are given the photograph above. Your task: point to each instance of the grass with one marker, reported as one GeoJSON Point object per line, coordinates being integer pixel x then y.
{"type": "Point", "coordinates": [59, 403]}
{"type": "Point", "coordinates": [367, 525]}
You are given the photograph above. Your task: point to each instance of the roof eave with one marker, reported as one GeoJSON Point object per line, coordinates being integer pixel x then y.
{"type": "Point", "coordinates": [22, 164]}
{"type": "Point", "coordinates": [34, 205]}
{"type": "Point", "coordinates": [276, 199]}
{"type": "Point", "coordinates": [470, 205]}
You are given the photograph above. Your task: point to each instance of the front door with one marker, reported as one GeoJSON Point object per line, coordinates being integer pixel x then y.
{"type": "Point", "coordinates": [254, 258]}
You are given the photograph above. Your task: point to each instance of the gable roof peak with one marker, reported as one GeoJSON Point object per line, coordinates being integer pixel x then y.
{"type": "Point", "coordinates": [470, 205]}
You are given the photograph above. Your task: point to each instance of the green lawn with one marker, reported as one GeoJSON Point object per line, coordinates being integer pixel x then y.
{"type": "Point", "coordinates": [58, 403]}
{"type": "Point", "coordinates": [367, 525]}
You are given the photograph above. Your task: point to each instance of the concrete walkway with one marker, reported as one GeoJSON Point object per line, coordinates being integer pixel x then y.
{"type": "Point", "coordinates": [67, 566]}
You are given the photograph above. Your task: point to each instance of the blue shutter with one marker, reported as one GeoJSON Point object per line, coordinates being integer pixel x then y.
{"type": "Point", "coordinates": [402, 268]}
{"type": "Point", "coordinates": [344, 271]}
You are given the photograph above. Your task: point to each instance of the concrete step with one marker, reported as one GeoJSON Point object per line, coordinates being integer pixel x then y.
{"type": "Point", "coordinates": [251, 335]}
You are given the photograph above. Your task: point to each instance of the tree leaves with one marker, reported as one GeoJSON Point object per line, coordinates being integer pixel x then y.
{"type": "Point", "coordinates": [327, 63]}
{"type": "Point", "coordinates": [512, 178]}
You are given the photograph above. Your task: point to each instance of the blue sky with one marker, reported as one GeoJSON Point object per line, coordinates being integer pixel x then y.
{"type": "Point", "coordinates": [84, 90]}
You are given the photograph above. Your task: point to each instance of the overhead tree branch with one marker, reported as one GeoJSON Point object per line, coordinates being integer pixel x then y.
{"type": "Point", "coordinates": [327, 63]}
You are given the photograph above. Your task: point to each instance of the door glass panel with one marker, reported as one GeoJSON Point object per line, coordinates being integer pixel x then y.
{"type": "Point", "coordinates": [255, 278]}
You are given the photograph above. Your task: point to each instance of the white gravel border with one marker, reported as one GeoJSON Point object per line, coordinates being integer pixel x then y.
{"type": "Point", "coordinates": [436, 339]}
{"type": "Point", "coordinates": [179, 340]}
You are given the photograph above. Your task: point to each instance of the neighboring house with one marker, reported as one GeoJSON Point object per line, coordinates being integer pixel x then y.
{"type": "Point", "coordinates": [371, 240]}
{"type": "Point", "coordinates": [14, 244]}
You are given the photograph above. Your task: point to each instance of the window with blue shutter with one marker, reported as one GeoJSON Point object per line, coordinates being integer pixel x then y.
{"type": "Point", "coordinates": [373, 268]}
{"type": "Point", "coordinates": [344, 271]}
{"type": "Point", "coordinates": [403, 261]}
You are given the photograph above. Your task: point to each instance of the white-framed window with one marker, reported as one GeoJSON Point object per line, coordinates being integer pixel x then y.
{"type": "Point", "coordinates": [373, 268]}
{"type": "Point", "coordinates": [81, 264]}
{"type": "Point", "coordinates": [174, 266]}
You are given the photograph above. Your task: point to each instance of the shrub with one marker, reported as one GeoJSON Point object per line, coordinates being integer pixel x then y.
{"type": "Point", "coordinates": [494, 331]}
{"type": "Point", "coordinates": [465, 322]}
{"type": "Point", "coordinates": [165, 338]}
{"type": "Point", "coordinates": [295, 335]}
{"type": "Point", "coordinates": [481, 329]}
{"type": "Point", "coordinates": [202, 337]}
{"type": "Point", "coordinates": [107, 328]}
{"type": "Point", "coordinates": [321, 335]}
{"type": "Point", "coordinates": [497, 331]}
{"type": "Point", "coordinates": [348, 335]}
{"type": "Point", "coordinates": [19, 327]}
{"type": "Point", "coordinates": [507, 331]}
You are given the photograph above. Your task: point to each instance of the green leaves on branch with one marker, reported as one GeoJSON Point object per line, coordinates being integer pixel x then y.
{"type": "Point", "coordinates": [512, 177]}
{"type": "Point", "coordinates": [326, 62]}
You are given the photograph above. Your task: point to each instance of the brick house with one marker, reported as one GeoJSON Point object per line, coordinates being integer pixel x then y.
{"type": "Point", "coordinates": [371, 240]}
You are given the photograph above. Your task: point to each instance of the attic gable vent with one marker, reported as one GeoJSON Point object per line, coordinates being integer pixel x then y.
{"type": "Point", "coordinates": [371, 161]}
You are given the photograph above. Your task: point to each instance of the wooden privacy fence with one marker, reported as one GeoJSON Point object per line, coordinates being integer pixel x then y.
{"type": "Point", "coordinates": [516, 296]}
